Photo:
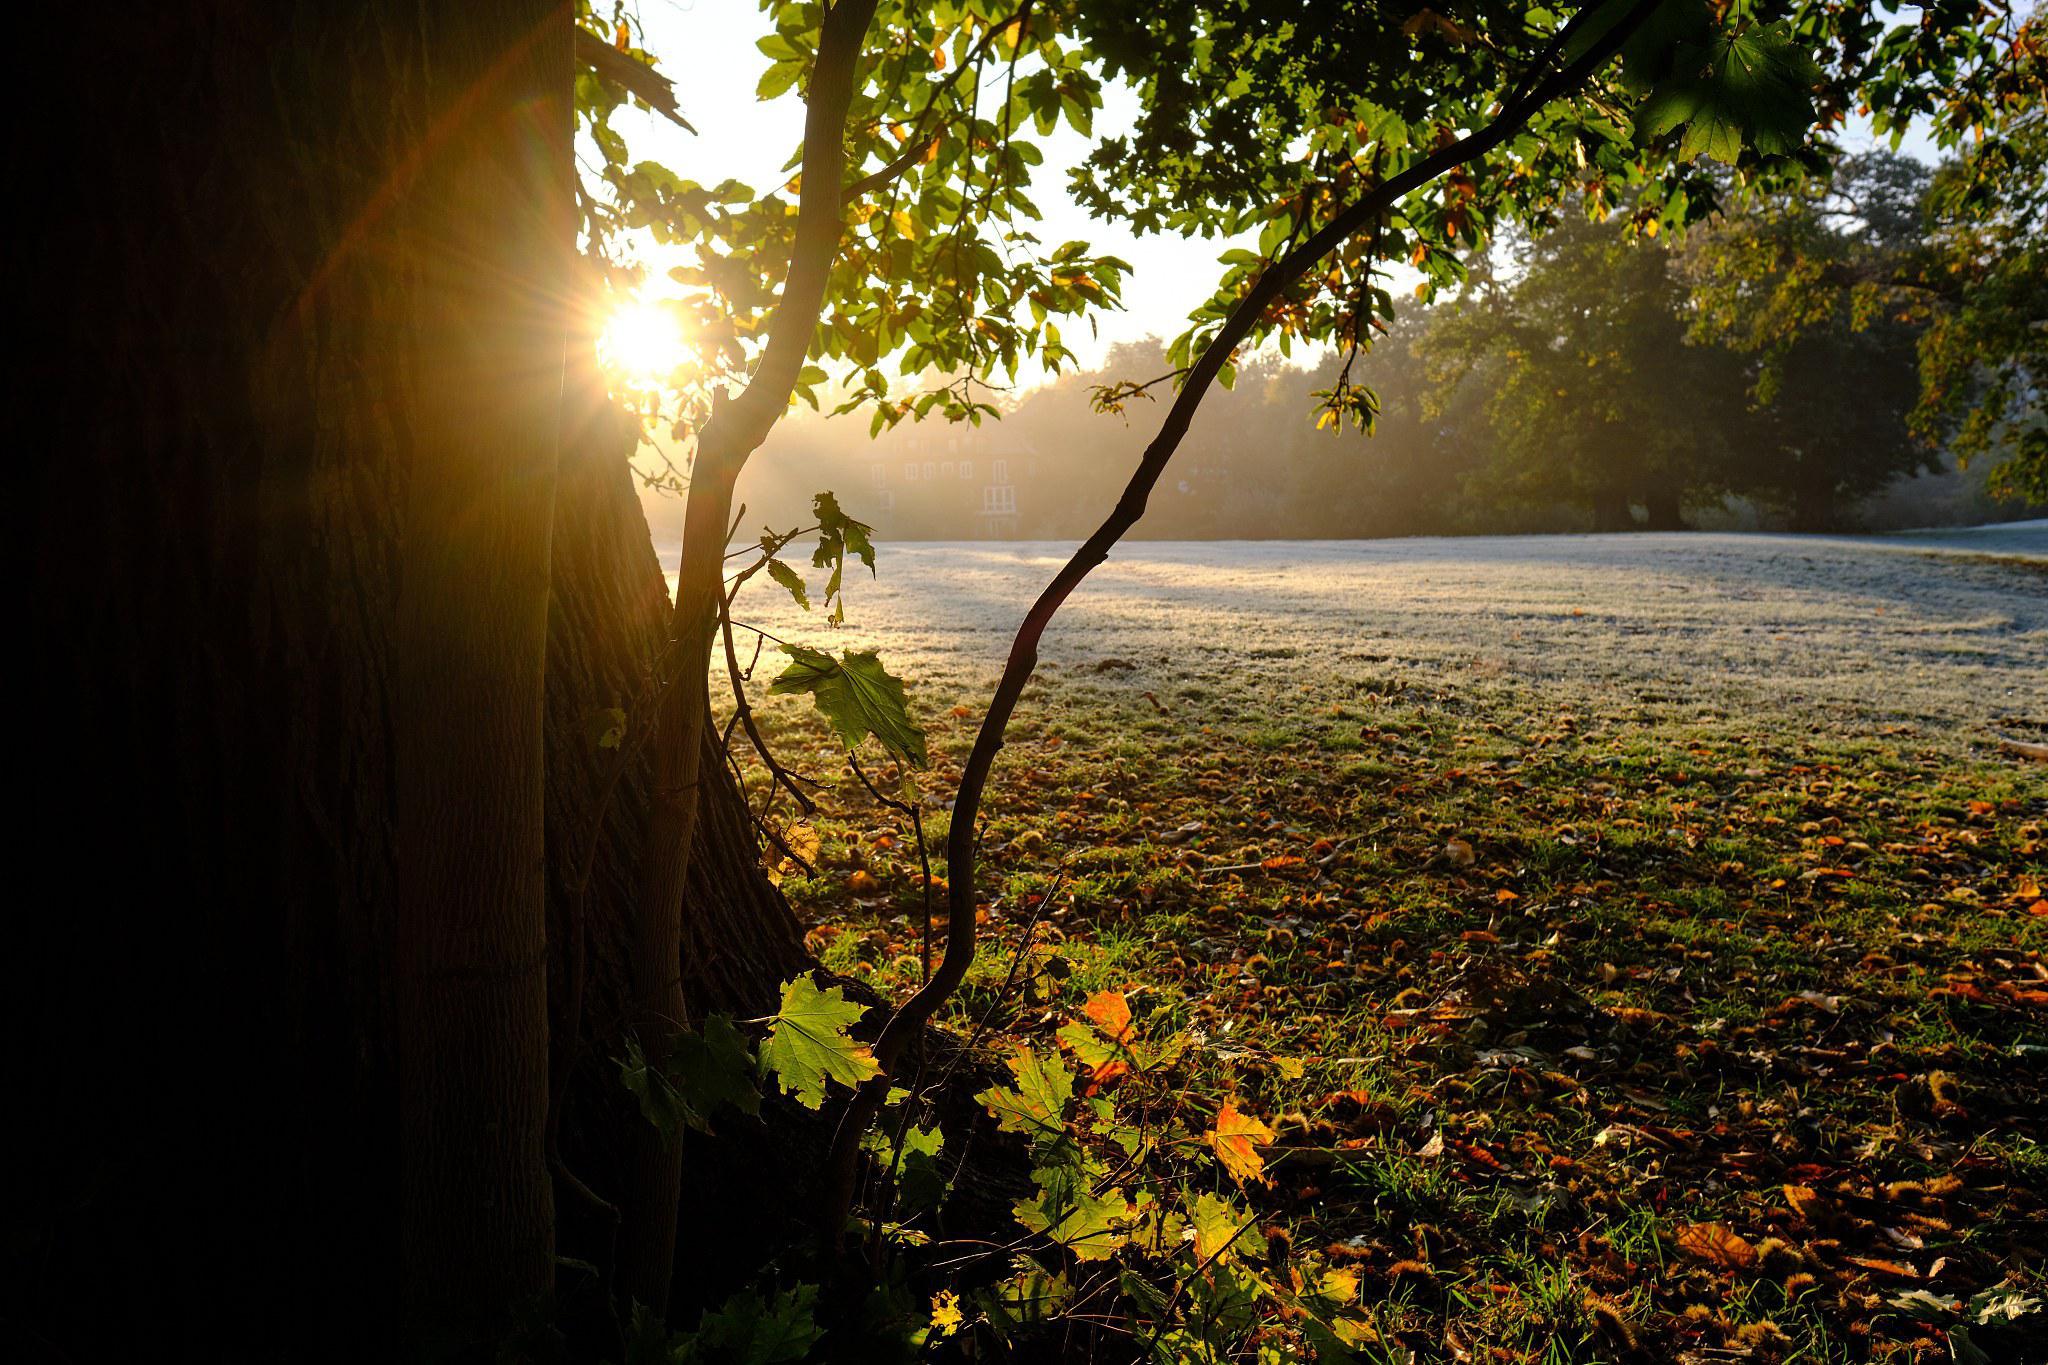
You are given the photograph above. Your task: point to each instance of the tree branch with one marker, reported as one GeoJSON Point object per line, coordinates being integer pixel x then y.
{"type": "Point", "coordinates": [920, 141]}
{"type": "Point", "coordinates": [1023, 659]}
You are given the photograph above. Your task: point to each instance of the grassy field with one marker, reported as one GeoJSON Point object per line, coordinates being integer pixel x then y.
{"type": "Point", "coordinates": [1623, 948]}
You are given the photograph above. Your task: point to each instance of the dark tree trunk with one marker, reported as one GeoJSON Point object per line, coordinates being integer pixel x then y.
{"type": "Point", "coordinates": [1813, 509]}
{"type": "Point", "coordinates": [609, 625]}
{"type": "Point", "coordinates": [1611, 512]}
{"type": "Point", "coordinates": [285, 692]}
{"type": "Point", "coordinates": [1663, 507]}
{"type": "Point", "coordinates": [300, 267]}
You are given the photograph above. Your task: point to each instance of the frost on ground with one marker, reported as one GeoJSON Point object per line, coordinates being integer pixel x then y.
{"type": "Point", "coordinates": [1821, 633]}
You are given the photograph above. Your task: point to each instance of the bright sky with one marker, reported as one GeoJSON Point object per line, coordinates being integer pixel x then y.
{"type": "Point", "coordinates": [707, 48]}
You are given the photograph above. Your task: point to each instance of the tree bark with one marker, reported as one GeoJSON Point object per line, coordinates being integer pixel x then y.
{"type": "Point", "coordinates": [484, 237]}
{"type": "Point", "coordinates": [299, 266]}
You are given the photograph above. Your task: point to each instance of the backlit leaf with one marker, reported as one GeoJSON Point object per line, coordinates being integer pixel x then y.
{"type": "Point", "coordinates": [808, 1043]}
{"type": "Point", "coordinates": [1235, 1140]}
{"type": "Point", "coordinates": [858, 696]}
{"type": "Point", "coordinates": [1717, 1243]}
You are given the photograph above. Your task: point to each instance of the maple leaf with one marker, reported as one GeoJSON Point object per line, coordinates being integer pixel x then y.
{"type": "Point", "coordinates": [858, 696]}
{"type": "Point", "coordinates": [1036, 1105]}
{"type": "Point", "coordinates": [946, 1317]}
{"type": "Point", "coordinates": [808, 1043]}
{"type": "Point", "coordinates": [1218, 1227]}
{"type": "Point", "coordinates": [1070, 1211]}
{"type": "Point", "coordinates": [1111, 1013]}
{"type": "Point", "coordinates": [1235, 1139]}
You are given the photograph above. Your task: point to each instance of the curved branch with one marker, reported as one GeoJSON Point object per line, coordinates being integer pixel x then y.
{"type": "Point", "coordinates": [1023, 659]}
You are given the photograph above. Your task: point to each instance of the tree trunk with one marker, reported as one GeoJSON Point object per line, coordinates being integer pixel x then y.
{"type": "Point", "coordinates": [1663, 507]}
{"type": "Point", "coordinates": [1813, 509]}
{"type": "Point", "coordinates": [485, 236]}
{"type": "Point", "coordinates": [1611, 512]}
{"type": "Point", "coordinates": [609, 627]}
{"type": "Point", "coordinates": [301, 267]}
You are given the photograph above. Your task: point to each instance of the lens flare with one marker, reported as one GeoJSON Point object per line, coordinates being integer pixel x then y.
{"type": "Point", "coordinates": [643, 343]}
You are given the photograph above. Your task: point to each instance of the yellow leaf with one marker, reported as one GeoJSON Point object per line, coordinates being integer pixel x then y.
{"type": "Point", "coordinates": [1235, 1139]}
{"type": "Point", "coordinates": [946, 1312]}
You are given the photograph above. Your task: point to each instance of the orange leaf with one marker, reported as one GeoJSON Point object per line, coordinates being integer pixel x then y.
{"type": "Point", "coordinates": [1805, 1201]}
{"type": "Point", "coordinates": [1718, 1243]}
{"type": "Point", "coordinates": [1889, 1268]}
{"type": "Point", "coordinates": [1235, 1138]}
{"type": "Point", "coordinates": [1110, 1011]}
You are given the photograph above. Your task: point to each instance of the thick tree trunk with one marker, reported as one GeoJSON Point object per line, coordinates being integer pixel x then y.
{"type": "Point", "coordinates": [300, 266]}
{"type": "Point", "coordinates": [610, 627]}
{"type": "Point", "coordinates": [484, 236]}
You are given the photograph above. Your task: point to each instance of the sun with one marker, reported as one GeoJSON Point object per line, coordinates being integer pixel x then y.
{"type": "Point", "coordinates": [643, 343]}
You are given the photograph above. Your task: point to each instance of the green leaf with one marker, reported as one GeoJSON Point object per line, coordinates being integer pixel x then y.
{"type": "Point", "coordinates": [1067, 1210]}
{"type": "Point", "coordinates": [792, 580]}
{"type": "Point", "coordinates": [750, 1329]}
{"type": "Point", "coordinates": [607, 726]}
{"type": "Point", "coordinates": [715, 1067]}
{"type": "Point", "coordinates": [839, 535]}
{"type": "Point", "coordinates": [777, 79]}
{"type": "Point", "coordinates": [920, 1183]}
{"type": "Point", "coordinates": [808, 1043]}
{"type": "Point", "coordinates": [706, 1070]}
{"type": "Point", "coordinates": [1220, 1227]}
{"type": "Point", "coordinates": [858, 696]}
{"type": "Point", "coordinates": [1036, 1105]}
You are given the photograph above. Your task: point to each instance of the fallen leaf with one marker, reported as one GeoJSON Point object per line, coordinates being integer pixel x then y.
{"type": "Point", "coordinates": [863, 883]}
{"type": "Point", "coordinates": [1110, 1011]}
{"type": "Point", "coordinates": [1717, 1243]}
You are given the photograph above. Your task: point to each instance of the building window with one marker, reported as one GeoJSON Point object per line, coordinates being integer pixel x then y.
{"type": "Point", "coordinates": [931, 470]}
{"type": "Point", "coordinates": [910, 473]}
{"type": "Point", "coordinates": [1002, 472]}
{"type": "Point", "coordinates": [967, 469]}
{"type": "Point", "coordinates": [885, 501]}
{"type": "Point", "coordinates": [877, 476]}
{"type": "Point", "coordinates": [999, 501]}
{"type": "Point", "coordinates": [946, 469]}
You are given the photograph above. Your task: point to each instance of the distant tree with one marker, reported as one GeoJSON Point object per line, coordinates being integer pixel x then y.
{"type": "Point", "coordinates": [1955, 259]}
{"type": "Point", "coordinates": [1592, 394]}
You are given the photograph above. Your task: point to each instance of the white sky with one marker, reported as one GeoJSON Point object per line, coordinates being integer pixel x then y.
{"type": "Point", "coordinates": [707, 48]}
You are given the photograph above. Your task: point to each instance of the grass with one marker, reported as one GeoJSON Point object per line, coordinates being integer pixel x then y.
{"type": "Point", "coordinates": [1558, 974]}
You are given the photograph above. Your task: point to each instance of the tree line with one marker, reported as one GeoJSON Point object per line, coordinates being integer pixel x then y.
{"type": "Point", "coordinates": [1819, 360]}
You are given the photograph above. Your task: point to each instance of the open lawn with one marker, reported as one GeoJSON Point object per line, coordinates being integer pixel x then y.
{"type": "Point", "coordinates": [1621, 948]}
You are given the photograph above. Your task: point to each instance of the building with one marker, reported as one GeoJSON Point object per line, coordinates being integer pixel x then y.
{"type": "Point", "coordinates": [950, 481]}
